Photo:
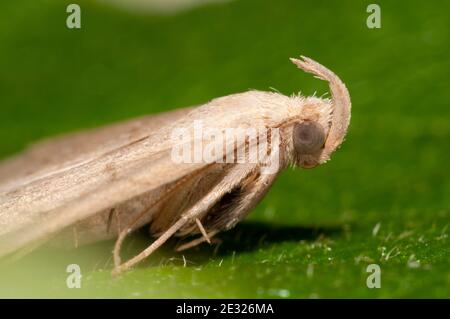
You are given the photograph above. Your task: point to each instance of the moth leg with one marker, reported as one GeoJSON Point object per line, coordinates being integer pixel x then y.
{"type": "Point", "coordinates": [75, 236]}
{"type": "Point", "coordinates": [129, 228]}
{"type": "Point", "coordinates": [230, 181]}
{"type": "Point", "coordinates": [110, 217]}
{"type": "Point", "coordinates": [202, 230]}
{"type": "Point", "coordinates": [197, 241]}
{"type": "Point", "coordinates": [254, 192]}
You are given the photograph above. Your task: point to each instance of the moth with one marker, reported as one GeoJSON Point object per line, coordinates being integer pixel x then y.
{"type": "Point", "coordinates": [107, 182]}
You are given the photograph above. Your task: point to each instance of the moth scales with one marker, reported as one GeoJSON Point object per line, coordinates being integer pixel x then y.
{"type": "Point", "coordinates": [107, 182]}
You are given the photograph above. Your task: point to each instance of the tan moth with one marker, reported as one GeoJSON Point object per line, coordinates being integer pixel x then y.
{"type": "Point", "coordinates": [107, 182]}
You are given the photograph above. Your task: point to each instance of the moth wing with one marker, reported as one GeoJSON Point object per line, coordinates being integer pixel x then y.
{"type": "Point", "coordinates": [59, 195]}
{"type": "Point", "coordinates": [40, 205]}
{"type": "Point", "coordinates": [36, 211]}
{"type": "Point", "coordinates": [59, 152]}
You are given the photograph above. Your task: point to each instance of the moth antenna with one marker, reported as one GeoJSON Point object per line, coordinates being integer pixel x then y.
{"type": "Point", "coordinates": [340, 99]}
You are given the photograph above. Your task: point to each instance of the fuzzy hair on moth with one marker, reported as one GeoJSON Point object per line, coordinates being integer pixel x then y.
{"type": "Point", "coordinates": [105, 183]}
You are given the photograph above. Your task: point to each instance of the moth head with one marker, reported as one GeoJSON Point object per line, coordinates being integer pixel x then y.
{"type": "Point", "coordinates": [324, 123]}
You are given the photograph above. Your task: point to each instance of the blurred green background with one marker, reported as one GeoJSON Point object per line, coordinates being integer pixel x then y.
{"type": "Point", "coordinates": [383, 198]}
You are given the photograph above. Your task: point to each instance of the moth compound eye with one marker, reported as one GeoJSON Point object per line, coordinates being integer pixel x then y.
{"type": "Point", "coordinates": [309, 137]}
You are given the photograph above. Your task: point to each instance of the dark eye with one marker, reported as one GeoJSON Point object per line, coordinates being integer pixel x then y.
{"type": "Point", "coordinates": [309, 137]}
